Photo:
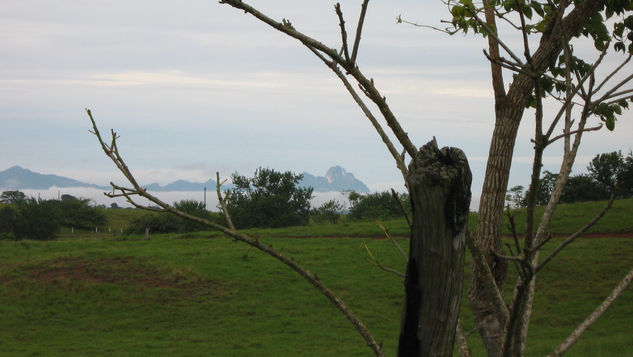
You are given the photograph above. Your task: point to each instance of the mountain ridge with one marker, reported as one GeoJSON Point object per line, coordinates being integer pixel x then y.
{"type": "Point", "coordinates": [16, 178]}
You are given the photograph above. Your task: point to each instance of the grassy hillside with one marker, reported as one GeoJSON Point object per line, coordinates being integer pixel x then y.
{"type": "Point", "coordinates": [568, 218]}
{"type": "Point", "coordinates": [193, 294]}
{"type": "Point", "coordinates": [174, 295]}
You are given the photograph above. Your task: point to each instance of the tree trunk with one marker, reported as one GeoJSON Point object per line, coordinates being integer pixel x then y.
{"type": "Point", "coordinates": [439, 186]}
{"type": "Point", "coordinates": [509, 112]}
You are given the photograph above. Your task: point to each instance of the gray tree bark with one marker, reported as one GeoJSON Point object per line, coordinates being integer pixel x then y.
{"type": "Point", "coordinates": [439, 186]}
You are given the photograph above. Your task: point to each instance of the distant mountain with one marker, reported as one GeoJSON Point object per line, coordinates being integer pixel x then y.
{"type": "Point", "coordinates": [16, 178]}
{"type": "Point", "coordinates": [335, 179]}
{"type": "Point", "coordinates": [182, 185]}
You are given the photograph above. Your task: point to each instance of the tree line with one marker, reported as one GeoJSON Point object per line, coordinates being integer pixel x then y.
{"type": "Point", "coordinates": [273, 199]}
{"type": "Point", "coordinates": [608, 173]}
{"type": "Point", "coordinates": [25, 217]}
{"type": "Point", "coordinates": [269, 199]}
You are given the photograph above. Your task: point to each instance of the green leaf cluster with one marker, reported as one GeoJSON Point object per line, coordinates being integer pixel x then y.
{"type": "Point", "coordinates": [377, 205]}
{"type": "Point", "coordinates": [605, 172]}
{"type": "Point", "coordinates": [329, 211]}
{"type": "Point", "coordinates": [169, 223]}
{"type": "Point", "coordinates": [30, 219]}
{"type": "Point", "coordinates": [270, 199]}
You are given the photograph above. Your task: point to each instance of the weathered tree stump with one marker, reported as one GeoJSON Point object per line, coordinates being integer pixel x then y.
{"type": "Point", "coordinates": [439, 188]}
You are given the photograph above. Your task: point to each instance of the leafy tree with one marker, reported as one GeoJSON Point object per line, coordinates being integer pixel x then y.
{"type": "Point", "coordinates": [12, 197]}
{"type": "Point", "coordinates": [194, 208]}
{"type": "Point", "coordinates": [515, 197]}
{"type": "Point", "coordinates": [329, 211]}
{"type": "Point", "coordinates": [162, 223]}
{"type": "Point", "coordinates": [37, 219]}
{"type": "Point", "coordinates": [78, 213]}
{"type": "Point", "coordinates": [581, 188]}
{"type": "Point", "coordinates": [268, 199]}
{"type": "Point", "coordinates": [604, 171]}
{"type": "Point", "coordinates": [626, 185]}
{"type": "Point", "coordinates": [607, 169]}
{"type": "Point", "coordinates": [7, 221]}
{"type": "Point", "coordinates": [378, 205]}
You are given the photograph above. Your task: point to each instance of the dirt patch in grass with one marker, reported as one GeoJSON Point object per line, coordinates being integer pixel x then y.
{"type": "Point", "coordinates": [126, 271]}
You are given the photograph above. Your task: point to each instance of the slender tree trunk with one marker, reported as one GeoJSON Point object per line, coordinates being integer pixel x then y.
{"type": "Point", "coordinates": [490, 326]}
{"type": "Point", "coordinates": [509, 112]}
{"type": "Point", "coordinates": [439, 185]}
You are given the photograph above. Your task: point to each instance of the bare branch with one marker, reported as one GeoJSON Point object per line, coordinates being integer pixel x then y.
{"type": "Point", "coordinates": [572, 133]}
{"type": "Point", "coordinates": [543, 242]}
{"type": "Point", "coordinates": [616, 70]}
{"type": "Point", "coordinates": [341, 21]}
{"type": "Point", "coordinates": [578, 233]}
{"type": "Point", "coordinates": [610, 94]}
{"type": "Point", "coordinates": [316, 46]}
{"type": "Point", "coordinates": [488, 280]}
{"type": "Point", "coordinates": [614, 97]}
{"type": "Point", "coordinates": [227, 216]}
{"type": "Point", "coordinates": [402, 253]}
{"type": "Point", "coordinates": [462, 343]}
{"type": "Point", "coordinates": [526, 43]}
{"type": "Point", "coordinates": [310, 277]}
{"type": "Point", "coordinates": [513, 229]}
{"type": "Point", "coordinates": [503, 62]}
{"type": "Point", "coordinates": [374, 260]}
{"type": "Point", "coordinates": [595, 315]}
{"type": "Point", "coordinates": [399, 20]}
{"type": "Point", "coordinates": [493, 46]}
{"type": "Point", "coordinates": [359, 30]}
{"type": "Point", "coordinates": [372, 119]}
{"type": "Point", "coordinates": [394, 194]}
{"type": "Point", "coordinates": [490, 20]}
{"type": "Point", "coordinates": [572, 93]}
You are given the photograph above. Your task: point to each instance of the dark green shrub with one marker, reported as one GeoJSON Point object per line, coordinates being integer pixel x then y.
{"type": "Point", "coordinates": [37, 219]}
{"type": "Point", "coordinates": [12, 197]}
{"type": "Point", "coordinates": [269, 199]}
{"type": "Point", "coordinates": [7, 219]}
{"type": "Point", "coordinates": [170, 223]}
{"type": "Point", "coordinates": [330, 212]}
{"type": "Point", "coordinates": [378, 205]}
{"type": "Point", "coordinates": [77, 213]}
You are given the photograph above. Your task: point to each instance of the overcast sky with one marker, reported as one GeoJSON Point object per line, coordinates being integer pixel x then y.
{"type": "Point", "coordinates": [197, 87]}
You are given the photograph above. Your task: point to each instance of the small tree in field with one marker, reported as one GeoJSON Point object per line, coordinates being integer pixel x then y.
{"type": "Point", "coordinates": [544, 67]}
{"type": "Point", "coordinates": [329, 211]}
{"type": "Point", "coordinates": [268, 199]}
{"type": "Point", "coordinates": [77, 213]}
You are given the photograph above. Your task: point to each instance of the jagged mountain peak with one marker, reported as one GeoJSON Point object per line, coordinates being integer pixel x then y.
{"type": "Point", "coordinates": [336, 179]}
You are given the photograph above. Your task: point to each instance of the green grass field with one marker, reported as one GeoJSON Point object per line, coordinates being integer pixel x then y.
{"type": "Point", "coordinates": [567, 219]}
{"type": "Point", "coordinates": [201, 294]}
